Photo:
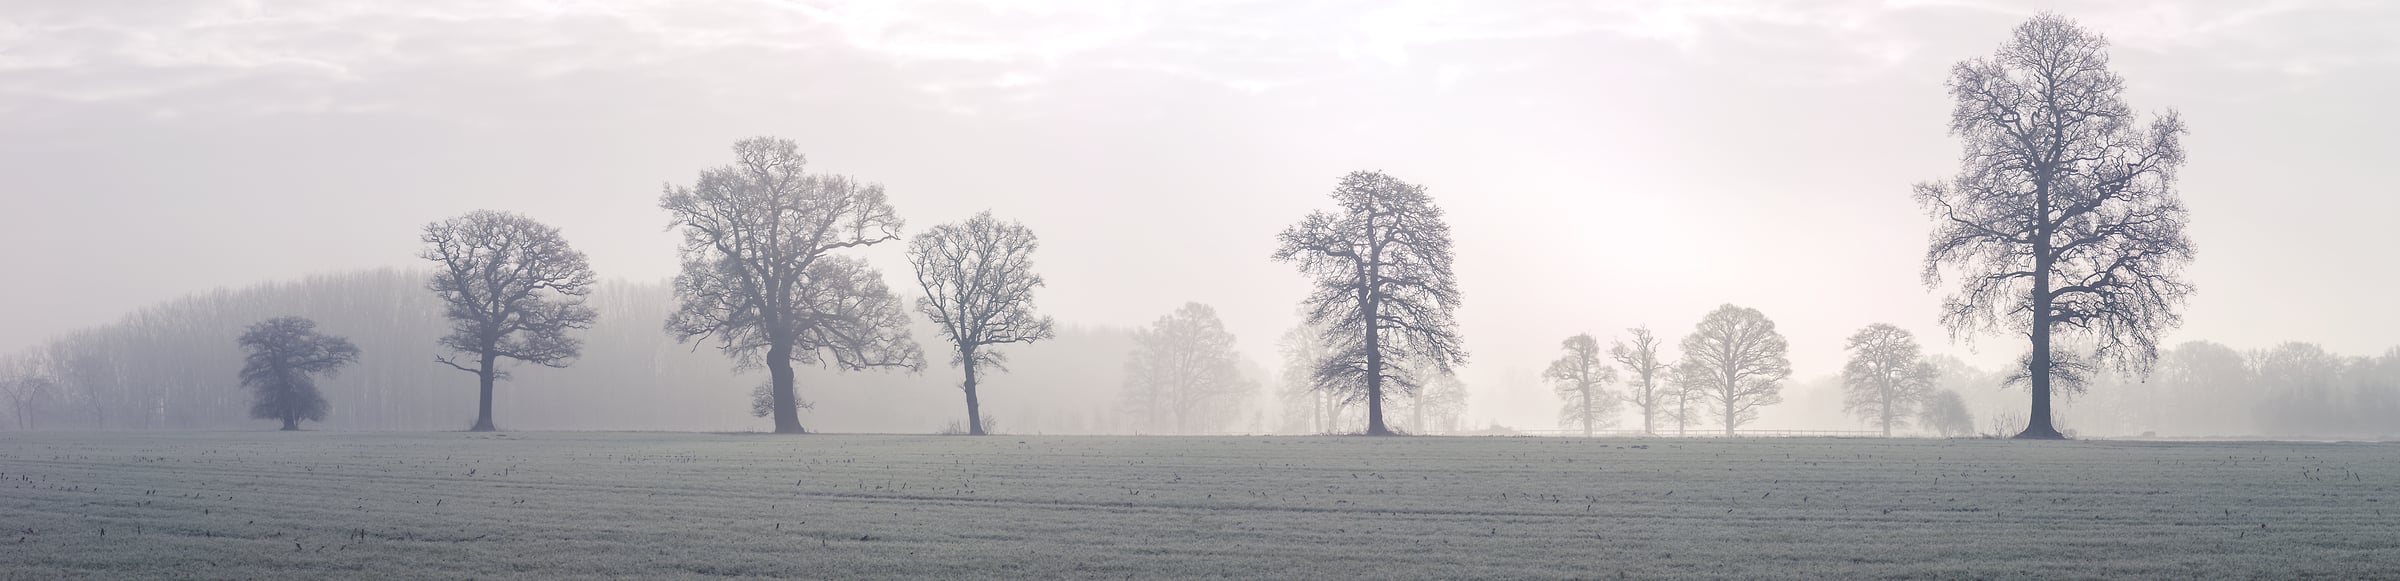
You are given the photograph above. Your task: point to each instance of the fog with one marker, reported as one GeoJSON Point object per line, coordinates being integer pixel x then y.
{"type": "Point", "coordinates": [178, 170]}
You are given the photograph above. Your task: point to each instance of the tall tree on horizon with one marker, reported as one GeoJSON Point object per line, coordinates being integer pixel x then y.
{"type": "Point", "coordinates": [760, 275]}
{"type": "Point", "coordinates": [1735, 359]}
{"type": "Point", "coordinates": [2063, 218]}
{"type": "Point", "coordinates": [978, 280]}
{"type": "Point", "coordinates": [1887, 377]}
{"type": "Point", "coordinates": [1647, 387]}
{"type": "Point", "coordinates": [1384, 287]}
{"type": "Point", "coordinates": [1581, 378]}
{"type": "Point", "coordinates": [283, 353]}
{"type": "Point", "coordinates": [512, 289]}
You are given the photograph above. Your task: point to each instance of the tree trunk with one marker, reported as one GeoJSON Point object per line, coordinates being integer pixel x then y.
{"type": "Point", "coordinates": [1375, 425]}
{"type": "Point", "coordinates": [2038, 426]}
{"type": "Point", "coordinates": [1587, 411]}
{"type": "Point", "coordinates": [1649, 401]}
{"type": "Point", "coordinates": [483, 410]}
{"type": "Point", "coordinates": [785, 401]}
{"type": "Point", "coordinates": [291, 422]}
{"type": "Point", "coordinates": [1887, 406]}
{"type": "Point", "coordinates": [974, 408]}
{"type": "Point", "coordinates": [1731, 389]}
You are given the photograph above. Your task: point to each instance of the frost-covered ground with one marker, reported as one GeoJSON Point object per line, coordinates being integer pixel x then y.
{"type": "Point", "coordinates": [640, 505]}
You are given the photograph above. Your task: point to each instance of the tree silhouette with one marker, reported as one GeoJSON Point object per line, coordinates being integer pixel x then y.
{"type": "Point", "coordinates": [1736, 360]}
{"type": "Point", "coordinates": [25, 384]}
{"type": "Point", "coordinates": [1183, 372]}
{"type": "Point", "coordinates": [1887, 378]}
{"type": "Point", "coordinates": [760, 278]}
{"type": "Point", "coordinates": [1581, 378]}
{"type": "Point", "coordinates": [2063, 217]}
{"type": "Point", "coordinates": [1647, 388]}
{"type": "Point", "coordinates": [978, 280]}
{"type": "Point", "coordinates": [512, 289]}
{"type": "Point", "coordinates": [1384, 287]}
{"type": "Point", "coordinates": [283, 352]}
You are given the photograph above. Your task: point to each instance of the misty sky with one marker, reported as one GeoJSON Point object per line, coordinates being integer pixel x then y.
{"type": "Point", "coordinates": [1604, 164]}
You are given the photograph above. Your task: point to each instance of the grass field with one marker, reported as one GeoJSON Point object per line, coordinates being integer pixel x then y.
{"type": "Point", "coordinates": [643, 506]}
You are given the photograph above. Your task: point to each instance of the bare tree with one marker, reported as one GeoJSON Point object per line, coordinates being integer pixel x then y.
{"type": "Point", "coordinates": [1385, 290]}
{"type": "Point", "coordinates": [1736, 360]}
{"type": "Point", "coordinates": [1581, 378]}
{"type": "Point", "coordinates": [283, 353]}
{"type": "Point", "coordinates": [1183, 373]}
{"type": "Point", "coordinates": [512, 289]}
{"type": "Point", "coordinates": [25, 384]}
{"type": "Point", "coordinates": [1887, 377]}
{"type": "Point", "coordinates": [1647, 387]}
{"type": "Point", "coordinates": [2064, 216]}
{"type": "Point", "coordinates": [978, 280]}
{"type": "Point", "coordinates": [760, 278]}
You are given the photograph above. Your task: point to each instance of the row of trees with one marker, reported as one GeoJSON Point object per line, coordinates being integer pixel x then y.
{"type": "Point", "coordinates": [2063, 226]}
{"type": "Point", "coordinates": [1734, 364]}
{"type": "Point", "coordinates": [176, 366]}
{"type": "Point", "coordinates": [762, 279]}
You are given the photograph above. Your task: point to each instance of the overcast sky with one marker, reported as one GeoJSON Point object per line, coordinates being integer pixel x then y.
{"type": "Point", "coordinates": [1605, 164]}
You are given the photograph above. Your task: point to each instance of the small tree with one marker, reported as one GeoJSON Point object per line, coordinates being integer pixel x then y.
{"type": "Point", "coordinates": [1945, 412]}
{"type": "Point", "coordinates": [761, 280]}
{"type": "Point", "coordinates": [1735, 359]}
{"type": "Point", "coordinates": [1581, 378]}
{"type": "Point", "coordinates": [1384, 287]}
{"type": "Point", "coordinates": [978, 280]}
{"type": "Point", "coordinates": [2063, 218]}
{"type": "Point", "coordinates": [1183, 372]}
{"type": "Point", "coordinates": [1886, 377]}
{"type": "Point", "coordinates": [512, 289]}
{"type": "Point", "coordinates": [283, 353]}
{"type": "Point", "coordinates": [1647, 387]}
{"type": "Point", "coordinates": [25, 384]}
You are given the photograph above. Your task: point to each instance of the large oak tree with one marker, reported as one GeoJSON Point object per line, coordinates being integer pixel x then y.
{"type": "Point", "coordinates": [2063, 218]}
{"type": "Point", "coordinates": [1384, 287]}
{"type": "Point", "coordinates": [762, 278]}
{"type": "Point", "coordinates": [512, 289]}
{"type": "Point", "coordinates": [1736, 360]}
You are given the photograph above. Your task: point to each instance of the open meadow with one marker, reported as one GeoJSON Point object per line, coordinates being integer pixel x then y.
{"type": "Point", "coordinates": [655, 505]}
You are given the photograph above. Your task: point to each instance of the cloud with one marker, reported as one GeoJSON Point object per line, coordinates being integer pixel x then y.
{"type": "Point", "coordinates": [317, 55]}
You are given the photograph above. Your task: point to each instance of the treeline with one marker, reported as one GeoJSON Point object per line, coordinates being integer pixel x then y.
{"type": "Point", "coordinates": [175, 365]}
{"type": "Point", "coordinates": [2201, 388]}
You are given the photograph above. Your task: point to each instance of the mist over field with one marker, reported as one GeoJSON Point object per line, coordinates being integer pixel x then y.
{"type": "Point", "coordinates": [652, 289]}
